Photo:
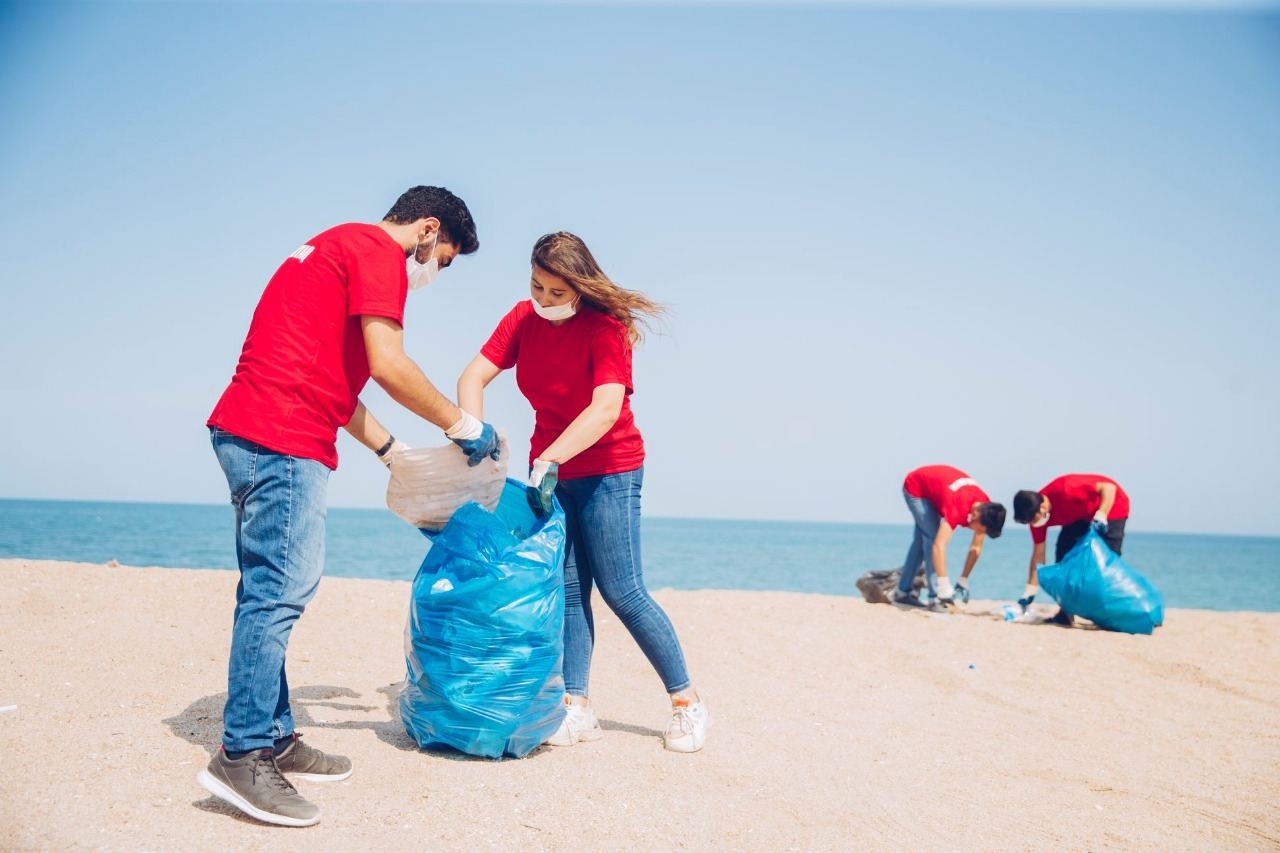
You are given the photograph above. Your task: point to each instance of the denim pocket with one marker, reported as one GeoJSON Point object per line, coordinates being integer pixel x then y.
{"type": "Point", "coordinates": [239, 461]}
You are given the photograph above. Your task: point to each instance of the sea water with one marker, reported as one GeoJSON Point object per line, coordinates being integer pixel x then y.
{"type": "Point", "coordinates": [1212, 572]}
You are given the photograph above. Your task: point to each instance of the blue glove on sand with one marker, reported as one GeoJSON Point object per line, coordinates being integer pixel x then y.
{"type": "Point", "coordinates": [478, 448]}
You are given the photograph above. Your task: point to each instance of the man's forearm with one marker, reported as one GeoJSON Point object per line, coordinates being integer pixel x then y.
{"type": "Point", "coordinates": [366, 429]}
{"type": "Point", "coordinates": [405, 383]}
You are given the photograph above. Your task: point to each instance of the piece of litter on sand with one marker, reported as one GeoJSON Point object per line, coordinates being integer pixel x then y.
{"type": "Point", "coordinates": [4, 709]}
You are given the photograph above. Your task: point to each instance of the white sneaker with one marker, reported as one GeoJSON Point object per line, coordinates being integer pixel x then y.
{"type": "Point", "coordinates": [687, 731]}
{"type": "Point", "coordinates": [579, 724]}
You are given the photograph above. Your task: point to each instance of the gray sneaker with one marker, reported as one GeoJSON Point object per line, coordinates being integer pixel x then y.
{"type": "Point", "coordinates": [910, 599]}
{"type": "Point", "coordinates": [306, 762]}
{"type": "Point", "coordinates": [255, 786]}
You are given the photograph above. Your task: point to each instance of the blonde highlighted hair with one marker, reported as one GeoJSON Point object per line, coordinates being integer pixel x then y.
{"type": "Point", "coordinates": [567, 256]}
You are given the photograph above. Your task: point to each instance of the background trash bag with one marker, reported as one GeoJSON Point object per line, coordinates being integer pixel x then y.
{"type": "Point", "coordinates": [1094, 582]}
{"type": "Point", "coordinates": [428, 484]}
{"type": "Point", "coordinates": [484, 643]}
{"type": "Point", "coordinates": [877, 586]}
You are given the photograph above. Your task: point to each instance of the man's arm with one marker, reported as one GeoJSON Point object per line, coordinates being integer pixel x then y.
{"type": "Point", "coordinates": [940, 548]}
{"type": "Point", "coordinates": [1107, 492]}
{"type": "Point", "coordinates": [1037, 559]}
{"type": "Point", "coordinates": [975, 551]}
{"type": "Point", "coordinates": [366, 429]}
{"type": "Point", "coordinates": [401, 377]}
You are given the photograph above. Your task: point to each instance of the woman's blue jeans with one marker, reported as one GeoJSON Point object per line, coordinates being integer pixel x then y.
{"type": "Point", "coordinates": [603, 523]}
{"type": "Point", "coordinates": [920, 552]}
{"type": "Point", "coordinates": [280, 513]}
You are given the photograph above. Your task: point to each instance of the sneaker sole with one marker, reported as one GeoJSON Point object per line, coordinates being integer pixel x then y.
{"type": "Point", "coordinates": [227, 795]}
{"type": "Point", "coordinates": [320, 777]}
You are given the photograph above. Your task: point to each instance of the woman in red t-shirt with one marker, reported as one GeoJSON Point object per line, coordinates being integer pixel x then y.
{"type": "Point", "coordinates": [571, 346]}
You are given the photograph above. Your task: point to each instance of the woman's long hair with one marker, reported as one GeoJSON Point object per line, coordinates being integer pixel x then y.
{"type": "Point", "coordinates": [565, 255]}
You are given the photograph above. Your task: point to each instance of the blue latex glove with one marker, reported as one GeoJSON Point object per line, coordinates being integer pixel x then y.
{"type": "Point", "coordinates": [1099, 523]}
{"type": "Point", "coordinates": [478, 448]}
{"type": "Point", "coordinates": [542, 486]}
{"type": "Point", "coordinates": [962, 593]}
{"type": "Point", "coordinates": [1025, 602]}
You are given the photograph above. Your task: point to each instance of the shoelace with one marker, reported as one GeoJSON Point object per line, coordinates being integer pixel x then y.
{"type": "Point", "coordinates": [681, 719]}
{"type": "Point", "coordinates": [271, 774]}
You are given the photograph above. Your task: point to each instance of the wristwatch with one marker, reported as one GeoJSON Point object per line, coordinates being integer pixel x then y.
{"type": "Point", "coordinates": [382, 451]}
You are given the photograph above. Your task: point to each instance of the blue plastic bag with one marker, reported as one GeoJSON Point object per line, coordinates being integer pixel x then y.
{"type": "Point", "coordinates": [484, 642]}
{"type": "Point", "coordinates": [1094, 582]}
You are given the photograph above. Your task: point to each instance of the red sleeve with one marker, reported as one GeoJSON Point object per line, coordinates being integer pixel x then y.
{"type": "Point", "coordinates": [611, 356]}
{"type": "Point", "coordinates": [377, 284]}
{"type": "Point", "coordinates": [503, 346]}
{"type": "Point", "coordinates": [1038, 534]}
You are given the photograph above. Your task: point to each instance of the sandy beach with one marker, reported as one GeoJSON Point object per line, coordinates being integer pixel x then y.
{"type": "Point", "coordinates": [838, 725]}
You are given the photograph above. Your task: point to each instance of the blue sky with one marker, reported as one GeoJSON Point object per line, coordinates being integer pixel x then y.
{"type": "Point", "coordinates": [1023, 242]}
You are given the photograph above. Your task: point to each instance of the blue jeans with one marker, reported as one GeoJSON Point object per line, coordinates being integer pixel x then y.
{"type": "Point", "coordinates": [920, 552]}
{"type": "Point", "coordinates": [280, 510]}
{"type": "Point", "coordinates": [602, 517]}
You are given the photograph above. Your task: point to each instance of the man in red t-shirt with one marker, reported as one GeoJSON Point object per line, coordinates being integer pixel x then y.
{"type": "Point", "coordinates": [329, 320]}
{"type": "Point", "coordinates": [941, 499]}
{"type": "Point", "coordinates": [1075, 502]}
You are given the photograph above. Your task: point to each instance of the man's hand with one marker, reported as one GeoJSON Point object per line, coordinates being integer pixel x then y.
{"type": "Point", "coordinates": [477, 439]}
{"type": "Point", "coordinates": [1100, 522]}
{"type": "Point", "coordinates": [962, 590]}
{"type": "Point", "coordinates": [1028, 596]}
{"type": "Point", "coordinates": [396, 446]}
{"type": "Point", "coordinates": [542, 486]}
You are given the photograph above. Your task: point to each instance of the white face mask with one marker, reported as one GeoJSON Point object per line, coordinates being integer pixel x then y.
{"type": "Point", "coordinates": [420, 275]}
{"type": "Point", "coordinates": [555, 312]}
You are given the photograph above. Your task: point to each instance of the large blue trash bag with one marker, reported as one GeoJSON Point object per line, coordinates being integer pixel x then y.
{"type": "Point", "coordinates": [484, 642]}
{"type": "Point", "coordinates": [1094, 582]}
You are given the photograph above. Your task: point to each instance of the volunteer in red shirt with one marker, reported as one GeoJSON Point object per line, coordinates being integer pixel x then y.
{"type": "Point", "coordinates": [571, 346]}
{"type": "Point", "coordinates": [329, 319]}
{"type": "Point", "coordinates": [942, 499]}
{"type": "Point", "coordinates": [1075, 502]}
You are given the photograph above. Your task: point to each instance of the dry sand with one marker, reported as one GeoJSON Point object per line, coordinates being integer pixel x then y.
{"type": "Point", "coordinates": [838, 725]}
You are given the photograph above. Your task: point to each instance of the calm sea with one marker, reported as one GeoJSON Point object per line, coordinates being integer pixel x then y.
{"type": "Point", "coordinates": [1201, 571]}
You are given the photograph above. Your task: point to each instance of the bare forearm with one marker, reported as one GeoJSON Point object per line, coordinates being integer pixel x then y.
{"type": "Point", "coordinates": [471, 385]}
{"type": "Point", "coordinates": [585, 430]}
{"type": "Point", "coordinates": [366, 429]}
{"type": "Point", "coordinates": [1108, 494]}
{"type": "Point", "coordinates": [405, 383]}
{"type": "Point", "coordinates": [970, 560]}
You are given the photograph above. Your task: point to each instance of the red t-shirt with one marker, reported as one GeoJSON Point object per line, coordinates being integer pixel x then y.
{"type": "Point", "coordinates": [1074, 497]}
{"type": "Point", "coordinates": [951, 491]}
{"type": "Point", "coordinates": [557, 369]}
{"type": "Point", "coordinates": [304, 364]}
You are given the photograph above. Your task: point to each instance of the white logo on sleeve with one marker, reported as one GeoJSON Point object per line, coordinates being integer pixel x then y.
{"type": "Point", "coordinates": [961, 483]}
{"type": "Point", "coordinates": [302, 251]}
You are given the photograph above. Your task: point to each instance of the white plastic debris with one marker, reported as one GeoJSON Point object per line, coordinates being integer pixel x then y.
{"type": "Point", "coordinates": [429, 484]}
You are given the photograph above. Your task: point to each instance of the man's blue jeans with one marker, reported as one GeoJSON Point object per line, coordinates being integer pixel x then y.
{"type": "Point", "coordinates": [280, 512]}
{"type": "Point", "coordinates": [920, 552]}
{"type": "Point", "coordinates": [603, 550]}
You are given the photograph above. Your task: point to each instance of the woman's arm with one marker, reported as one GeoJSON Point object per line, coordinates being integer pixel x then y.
{"type": "Point", "coordinates": [471, 384]}
{"type": "Point", "coordinates": [588, 427]}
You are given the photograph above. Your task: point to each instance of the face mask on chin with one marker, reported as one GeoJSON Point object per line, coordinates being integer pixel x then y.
{"type": "Point", "coordinates": [420, 274]}
{"type": "Point", "coordinates": [555, 312]}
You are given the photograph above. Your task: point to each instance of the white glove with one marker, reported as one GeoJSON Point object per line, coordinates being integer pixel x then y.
{"type": "Point", "coordinates": [538, 471]}
{"type": "Point", "coordinates": [467, 428]}
{"type": "Point", "coordinates": [396, 446]}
